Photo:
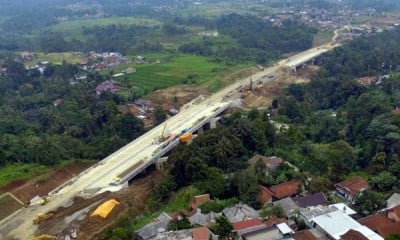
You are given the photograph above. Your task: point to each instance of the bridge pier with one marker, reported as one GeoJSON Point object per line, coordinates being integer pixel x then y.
{"type": "Point", "coordinates": [200, 130]}
{"type": "Point", "coordinates": [213, 122]}
{"type": "Point", "coordinates": [160, 163]}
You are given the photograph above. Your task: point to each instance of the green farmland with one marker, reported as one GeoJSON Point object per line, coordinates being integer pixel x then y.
{"type": "Point", "coordinates": [173, 71]}
{"type": "Point", "coordinates": [70, 26]}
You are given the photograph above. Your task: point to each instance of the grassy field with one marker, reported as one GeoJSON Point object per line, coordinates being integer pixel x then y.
{"type": "Point", "coordinates": [68, 26]}
{"type": "Point", "coordinates": [322, 37]}
{"type": "Point", "coordinates": [360, 19]}
{"type": "Point", "coordinates": [55, 58]}
{"type": "Point", "coordinates": [172, 70]}
{"type": "Point", "coordinates": [224, 8]}
{"type": "Point", "coordinates": [9, 205]}
{"type": "Point", "coordinates": [178, 202]}
{"type": "Point", "coordinates": [13, 172]}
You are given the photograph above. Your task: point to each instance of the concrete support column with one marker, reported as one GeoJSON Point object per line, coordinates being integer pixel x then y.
{"type": "Point", "coordinates": [213, 122]}
{"type": "Point", "coordinates": [160, 163]}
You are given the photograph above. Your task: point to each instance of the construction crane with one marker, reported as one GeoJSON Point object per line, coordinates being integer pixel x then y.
{"type": "Point", "coordinates": [163, 135]}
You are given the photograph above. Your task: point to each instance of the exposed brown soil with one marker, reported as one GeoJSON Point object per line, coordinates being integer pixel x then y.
{"type": "Point", "coordinates": [41, 185]}
{"type": "Point", "coordinates": [263, 95]}
{"type": "Point", "coordinates": [178, 95]}
{"type": "Point", "coordinates": [9, 205]}
{"type": "Point", "coordinates": [131, 199]}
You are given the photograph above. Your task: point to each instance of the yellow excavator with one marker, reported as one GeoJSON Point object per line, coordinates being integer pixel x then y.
{"type": "Point", "coordinates": [42, 217]}
{"type": "Point", "coordinates": [44, 237]}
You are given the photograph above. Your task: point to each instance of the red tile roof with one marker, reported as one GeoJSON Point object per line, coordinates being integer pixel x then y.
{"type": "Point", "coordinates": [286, 189]}
{"type": "Point", "coordinates": [353, 186]}
{"type": "Point", "coordinates": [390, 229]}
{"type": "Point", "coordinates": [381, 223]}
{"type": "Point", "coordinates": [201, 233]}
{"type": "Point", "coordinates": [375, 221]}
{"type": "Point", "coordinates": [198, 200]}
{"type": "Point", "coordinates": [250, 223]}
{"type": "Point", "coordinates": [396, 110]}
{"type": "Point", "coordinates": [265, 195]}
{"type": "Point", "coordinates": [394, 214]}
{"type": "Point", "coordinates": [274, 221]}
{"type": "Point", "coordinates": [304, 235]}
{"type": "Point", "coordinates": [367, 80]}
{"type": "Point", "coordinates": [353, 235]}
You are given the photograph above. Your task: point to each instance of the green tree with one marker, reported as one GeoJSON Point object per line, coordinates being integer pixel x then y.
{"type": "Point", "coordinates": [384, 181]}
{"type": "Point", "coordinates": [159, 115]}
{"type": "Point", "coordinates": [223, 227]}
{"type": "Point", "coordinates": [369, 201]}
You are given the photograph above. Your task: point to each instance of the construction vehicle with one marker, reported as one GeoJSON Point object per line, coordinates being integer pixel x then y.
{"type": "Point", "coordinates": [42, 217]}
{"type": "Point", "coordinates": [164, 136]}
{"type": "Point", "coordinates": [44, 237]}
{"type": "Point", "coordinates": [185, 137]}
{"type": "Point", "coordinates": [115, 181]}
{"type": "Point", "coordinates": [44, 200]}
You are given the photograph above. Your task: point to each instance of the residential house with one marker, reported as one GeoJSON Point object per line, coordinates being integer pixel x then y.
{"type": "Point", "coordinates": [286, 189]}
{"type": "Point", "coordinates": [385, 223]}
{"type": "Point", "coordinates": [265, 195]}
{"type": "Point", "coordinates": [139, 59]}
{"type": "Point", "coordinates": [393, 201]}
{"type": "Point", "coordinates": [185, 234]}
{"type": "Point", "coordinates": [240, 212]}
{"type": "Point", "coordinates": [262, 234]}
{"type": "Point", "coordinates": [151, 230]}
{"type": "Point", "coordinates": [201, 233]}
{"type": "Point", "coordinates": [247, 226]}
{"type": "Point", "coordinates": [57, 102]}
{"type": "Point", "coordinates": [270, 162]}
{"type": "Point", "coordinates": [336, 223]}
{"type": "Point", "coordinates": [304, 235]}
{"type": "Point", "coordinates": [308, 214]}
{"type": "Point", "coordinates": [107, 86]}
{"type": "Point", "coordinates": [202, 219]}
{"type": "Point", "coordinates": [353, 235]}
{"type": "Point", "coordinates": [288, 205]}
{"type": "Point", "coordinates": [254, 229]}
{"type": "Point", "coordinates": [350, 188]}
{"type": "Point", "coordinates": [311, 200]}
{"type": "Point", "coordinates": [396, 111]}
{"type": "Point", "coordinates": [273, 221]}
{"type": "Point", "coordinates": [285, 229]}
{"type": "Point", "coordinates": [130, 70]}
{"type": "Point", "coordinates": [367, 80]}
{"type": "Point", "coordinates": [199, 199]}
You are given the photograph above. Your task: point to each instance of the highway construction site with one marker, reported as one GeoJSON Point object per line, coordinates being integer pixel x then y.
{"type": "Point", "coordinates": [66, 211]}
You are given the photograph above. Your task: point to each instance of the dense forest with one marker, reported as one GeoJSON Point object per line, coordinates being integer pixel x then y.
{"type": "Point", "coordinates": [45, 119]}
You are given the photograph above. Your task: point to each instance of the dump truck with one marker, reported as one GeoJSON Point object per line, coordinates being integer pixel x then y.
{"type": "Point", "coordinates": [186, 137]}
{"type": "Point", "coordinates": [42, 217]}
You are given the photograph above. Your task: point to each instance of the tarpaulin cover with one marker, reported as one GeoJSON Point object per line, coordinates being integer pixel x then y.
{"type": "Point", "coordinates": [104, 209]}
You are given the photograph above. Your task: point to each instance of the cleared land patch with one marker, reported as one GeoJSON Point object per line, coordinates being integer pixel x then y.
{"type": "Point", "coordinates": [8, 205]}
{"type": "Point", "coordinates": [55, 58]}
